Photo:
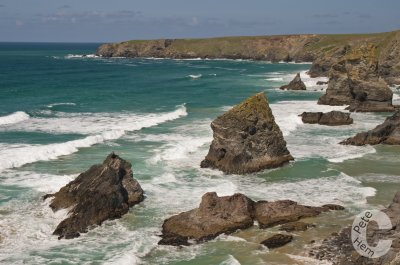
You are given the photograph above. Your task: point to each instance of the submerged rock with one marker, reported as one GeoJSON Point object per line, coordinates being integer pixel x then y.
{"type": "Point", "coordinates": [215, 216]}
{"type": "Point", "coordinates": [339, 249]}
{"type": "Point", "coordinates": [104, 192]}
{"type": "Point", "coordinates": [333, 118]}
{"type": "Point", "coordinates": [247, 139]}
{"type": "Point", "coordinates": [295, 84]}
{"type": "Point", "coordinates": [276, 241]}
{"type": "Point", "coordinates": [385, 133]}
{"type": "Point", "coordinates": [219, 215]}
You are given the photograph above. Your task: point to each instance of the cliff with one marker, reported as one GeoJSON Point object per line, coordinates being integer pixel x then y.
{"type": "Point", "coordinates": [381, 50]}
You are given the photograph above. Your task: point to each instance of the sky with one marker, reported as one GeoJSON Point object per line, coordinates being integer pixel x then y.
{"type": "Point", "coordinates": [119, 20]}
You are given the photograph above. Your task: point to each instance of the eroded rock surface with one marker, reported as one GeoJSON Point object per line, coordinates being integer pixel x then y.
{"type": "Point", "coordinates": [295, 84]}
{"type": "Point", "coordinates": [385, 133]}
{"type": "Point", "coordinates": [247, 139]}
{"type": "Point", "coordinates": [333, 118]}
{"type": "Point", "coordinates": [104, 192]}
{"type": "Point", "coordinates": [339, 249]}
{"type": "Point", "coordinates": [224, 215]}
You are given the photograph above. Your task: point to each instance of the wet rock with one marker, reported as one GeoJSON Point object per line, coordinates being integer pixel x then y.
{"type": "Point", "coordinates": [104, 192]}
{"type": "Point", "coordinates": [215, 216]}
{"type": "Point", "coordinates": [296, 226]}
{"type": "Point", "coordinates": [247, 139]}
{"type": "Point", "coordinates": [278, 240]}
{"type": "Point", "coordinates": [385, 133]}
{"type": "Point", "coordinates": [333, 118]}
{"type": "Point", "coordinates": [295, 84]}
{"type": "Point", "coordinates": [224, 215]}
{"type": "Point", "coordinates": [269, 214]}
{"type": "Point", "coordinates": [339, 250]}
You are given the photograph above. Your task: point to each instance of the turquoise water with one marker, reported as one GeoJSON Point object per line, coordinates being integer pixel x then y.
{"type": "Point", "coordinates": [61, 112]}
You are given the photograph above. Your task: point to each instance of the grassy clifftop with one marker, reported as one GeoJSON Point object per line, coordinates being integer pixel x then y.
{"type": "Point", "coordinates": [324, 50]}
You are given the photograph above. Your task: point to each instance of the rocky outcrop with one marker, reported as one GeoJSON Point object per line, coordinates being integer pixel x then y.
{"type": "Point", "coordinates": [276, 241]}
{"type": "Point", "coordinates": [355, 79]}
{"type": "Point", "coordinates": [339, 250]}
{"type": "Point", "coordinates": [295, 84]}
{"type": "Point", "coordinates": [247, 139]}
{"type": "Point", "coordinates": [104, 192]}
{"type": "Point", "coordinates": [385, 133]}
{"type": "Point", "coordinates": [333, 118]}
{"type": "Point", "coordinates": [295, 226]}
{"type": "Point", "coordinates": [215, 216]}
{"type": "Point", "coordinates": [269, 214]}
{"type": "Point", "coordinates": [219, 215]}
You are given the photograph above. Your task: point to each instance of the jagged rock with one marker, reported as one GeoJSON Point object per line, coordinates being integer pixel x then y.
{"type": "Point", "coordinates": [104, 192]}
{"type": "Point", "coordinates": [269, 214]}
{"type": "Point", "coordinates": [295, 226]}
{"type": "Point", "coordinates": [276, 241]}
{"type": "Point", "coordinates": [219, 215]}
{"type": "Point", "coordinates": [333, 118]}
{"type": "Point", "coordinates": [385, 133]}
{"type": "Point", "coordinates": [355, 81]}
{"type": "Point", "coordinates": [339, 249]}
{"type": "Point", "coordinates": [215, 216]}
{"type": "Point", "coordinates": [247, 139]}
{"type": "Point", "coordinates": [295, 84]}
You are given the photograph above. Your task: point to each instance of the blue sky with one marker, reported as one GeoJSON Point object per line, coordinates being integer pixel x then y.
{"type": "Point", "coordinates": [118, 20]}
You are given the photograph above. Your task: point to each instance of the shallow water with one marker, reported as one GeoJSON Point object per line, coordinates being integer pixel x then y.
{"type": "Point", "coordinates": [61, 112]}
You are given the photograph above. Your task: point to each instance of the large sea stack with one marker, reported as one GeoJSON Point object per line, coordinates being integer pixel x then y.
{"type": "Point", "coordinates": [247, 139]}
{"type": "Point", "coordinates": [104, 192]}
{"type": "Point", "coordinates": [385, 133]}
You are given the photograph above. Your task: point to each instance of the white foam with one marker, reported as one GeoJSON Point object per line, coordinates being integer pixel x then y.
{"type": "Point", "coordinates": [15, 117]}
{"type": "Point", "coordinates": [275, 79]}
{"type": "Point", "coordinates": [61, 104]}
{"type": "Point", "coordinates": [15, 155]}
{"type": "Point", "coordinates": [93, 123]}
{"type": "Point", "coordinates": [287, 113]}
{"type": "Point", "coordinates": [19, 155]}
{"type": "Point", "coordinates": [195, 76]}
{"type": "Point", "coordinates": [308, 261]}
{"type": "Point", "coordinates": [74, 56]}
{"type": "Point", "coordinates": [230, 261]}
{"type": "Point", "coordinates": [348, 191]}
{"type": "Point", "coordinates": [306, 141]}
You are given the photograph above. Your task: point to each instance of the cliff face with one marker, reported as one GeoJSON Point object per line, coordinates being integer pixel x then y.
{"type": "Point", "coordinates": [380, 51]}
{"type": "Point", "coordinates": [273, 48]}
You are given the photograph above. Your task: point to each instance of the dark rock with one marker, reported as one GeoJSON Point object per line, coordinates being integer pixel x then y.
{"type": "Point", "coordinates": [295, 84]}
{"type": "Point", "coordinates": [385, 133]}
{"type": "Point", "coordinates": [269, 214]}
{"type": "Point", "coordinates": [320, 83]}
{"type": "Point", "coordinates": [333, 207]}
{"type": "Point", "coordinates": [339, 250]}
{"type": "Point", "coordinates": [333, 118]}
{"type": "Point", "coordinates": [276, 241]}
{"type": "Point", "coordinates": [247, 139]}
{"type": "Point", "coordinates": [215, 216]}
{"type": "Point", "coordinates": [104, 192]}
{"type": "Point", "coordinates": [296, 226]}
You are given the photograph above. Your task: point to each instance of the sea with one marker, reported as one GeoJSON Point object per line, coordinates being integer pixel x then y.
{"type": "Point", "coordinates": [63, 109]}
